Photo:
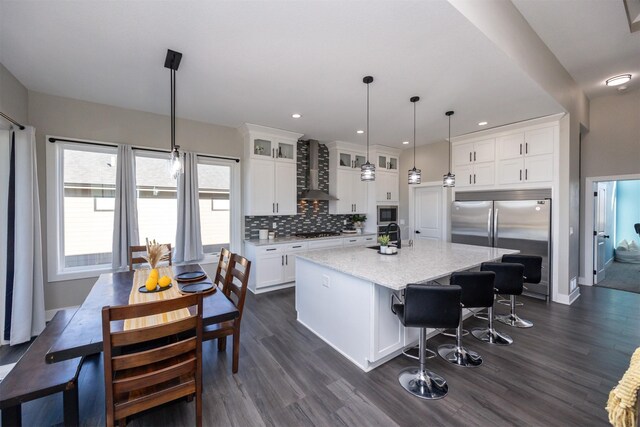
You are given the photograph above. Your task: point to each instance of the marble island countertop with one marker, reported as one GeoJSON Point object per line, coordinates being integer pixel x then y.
{"type": "Point", "coordinates": [426, 260]}
{"type": "Point", "coordinates": [289, 239]}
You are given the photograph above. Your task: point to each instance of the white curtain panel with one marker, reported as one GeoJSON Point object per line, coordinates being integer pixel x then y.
{"type": "Point", "coordinates": [188, 238]}
{"type": "Point", "coordinates": [125, 216]}
{"type": "Point", "coordinates": [27, 308]}
{"type": "Point", "coordinates": [5, 153]}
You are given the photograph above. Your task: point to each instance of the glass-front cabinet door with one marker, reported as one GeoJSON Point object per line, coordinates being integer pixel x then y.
{"type": "Point", "coordinates": [387, 162]}
{"type": "Point", "coordinates": [382, 162]}
{"type": "Point", "coordinates": [393, 163]}
{"type": "Point", "coordinates": [286, 151]}
{"type": "Point", "coordinates": [360, 160]}
{"type": "Point", "coordinates": [345, 160]}
{"type": "Point", "coordinates": [261, 148]}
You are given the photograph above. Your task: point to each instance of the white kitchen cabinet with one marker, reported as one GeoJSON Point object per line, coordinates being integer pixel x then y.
{"type": "Point", "coordinates": [270, 270]}
{"type": "Point", "coordinates": [269, 184]}
{"type": "Point", "coordinates": [479, 174]}
{"type": "Point", "coordinates": [351, 193]}
{"type": "Point", "coordinates": [290, 260]}
{"type": "Point", "coordinates": [474, 152]}
{"type": "Point", "coordinates": [387, 187]}
{"type": "Point", "coordinates": [387, 162]}
{"type": "Point", "coordinates": [526, 156]}
{"type": "Point", "coordinates": [388, 332]}
{"type": "Point", "coordinates": [359, 240]}
{"type": "Point", "coordinates": [345, 160]}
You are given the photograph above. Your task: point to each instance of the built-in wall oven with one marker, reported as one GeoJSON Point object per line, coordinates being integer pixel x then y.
{"type": "Point", "coordinates": [388, 214]}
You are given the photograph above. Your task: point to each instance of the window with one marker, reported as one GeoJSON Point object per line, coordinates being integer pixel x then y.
{"type": "Point", "coordinates": [81, 186]}
{"type": "Point", "coordinates": [214, 181]}
{"type": "Point", "coordinates": [157, 198]}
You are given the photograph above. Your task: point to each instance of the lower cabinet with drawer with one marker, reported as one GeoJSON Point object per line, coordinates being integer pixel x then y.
{"type": "Point", "coordinates": [274, 266]}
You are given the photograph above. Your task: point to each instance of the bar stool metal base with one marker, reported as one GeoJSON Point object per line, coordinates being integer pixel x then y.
{"type": "Point", "coordinates": [452, 334]}
{"type": "Point", "coordinates": [491, 336]}
{"type": "Point", "coordinates": [423, 384]}
{"type": "Point", "coordinates": [414, 353]}
{"type": "Point", "coordinates": [460, 356]}
{"type": "Point", "coordinates": [514, 320]}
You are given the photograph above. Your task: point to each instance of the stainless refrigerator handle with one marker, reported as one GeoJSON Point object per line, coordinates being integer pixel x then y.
{"type": "Point", "coordinates": [495, 228]}
{"type": "Point", "coordinates": [489, 225]}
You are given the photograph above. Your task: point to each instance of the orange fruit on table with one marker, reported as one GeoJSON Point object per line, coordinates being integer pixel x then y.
{"type": "Point", "coordinates": [151, 284]}
{"type": "Point", "coordinates": [154, 273]}
{"type": "Point", "coordinates": [164, 281]}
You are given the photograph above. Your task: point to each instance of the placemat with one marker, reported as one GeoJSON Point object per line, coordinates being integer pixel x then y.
{"type": "Point", "coordinates": [136, 297]}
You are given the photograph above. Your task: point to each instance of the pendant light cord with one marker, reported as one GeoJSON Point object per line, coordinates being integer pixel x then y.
{"type": "Point", "coordinates": [449, 143]}
{"type": "Point", "coordinates": [414, 135]}
{"type": "Point", "coordinates": [173, 109]}
{"type": "Point", "coordinates": [367, 122]}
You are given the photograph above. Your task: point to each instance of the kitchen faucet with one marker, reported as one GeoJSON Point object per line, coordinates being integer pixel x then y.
{"type": "Point", "coordinates": [399, 241]}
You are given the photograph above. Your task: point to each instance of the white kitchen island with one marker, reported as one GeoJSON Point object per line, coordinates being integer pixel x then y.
{"type": "Point", "coordinates": [344, 295]}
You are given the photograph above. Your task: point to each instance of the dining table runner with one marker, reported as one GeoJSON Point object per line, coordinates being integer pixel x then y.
{"type": "Point", "coordinates": [137, 297]}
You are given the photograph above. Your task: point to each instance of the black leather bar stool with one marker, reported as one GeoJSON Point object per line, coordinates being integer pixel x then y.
{"type": "Point", "coordinates": [532, 274]}
{"type": "Point", "coordinates": [427, 306]}
{"type": "Point", "coordinates": [508, 278]}
{"type": "Point", "coordinates": [477, 292]}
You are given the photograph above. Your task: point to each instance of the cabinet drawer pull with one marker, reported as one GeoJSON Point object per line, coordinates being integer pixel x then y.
{"type": "Point", "coordinates": [298, 246]}
{"type": "Point", "coordinates": [474, 178]}
{"type": "Point", "coordinates": [282, 259]}
{"type": "Point", "coordinates": [273, 207]}
{"type": "Point", "coordinates": [286, 259]}
{"type": "Point", "coordinates": [469, 178]}
{"type": "Point", "coordinates": [526, 148]}
{"type": "Point", "coordinates": [474, 156]}
{"type": "Point", "coordinates": [520, 174]}
{"type": "Point", "coordinates": [520, 149]}
{"type": "Point", "coordinates": [469, 156]}
{"type": "Point", "coordinates": [353, 241]}
{"type": "Point", "coordinates": [271, 249]}
{"type": "Point", "coordinates": [526, 174]}
{"type": "Point", "coordinates": [277, 208]}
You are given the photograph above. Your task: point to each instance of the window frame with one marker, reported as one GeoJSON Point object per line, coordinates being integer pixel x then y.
{"type": "Point", "coordinates": [235, 213]}
{"type": "Point", "coordinates": [56, 271]}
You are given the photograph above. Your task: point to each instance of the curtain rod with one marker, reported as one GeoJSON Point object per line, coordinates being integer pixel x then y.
{"type": "Point", "coordinates": [11, 120]}
{"type": "Point", "coordinates": [153, 150]}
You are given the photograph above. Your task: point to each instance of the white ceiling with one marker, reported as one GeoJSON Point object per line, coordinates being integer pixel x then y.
{"type": "Point", "coordinates": [261, 61]}
{"type": "Point", "coordinates": [590, 38]}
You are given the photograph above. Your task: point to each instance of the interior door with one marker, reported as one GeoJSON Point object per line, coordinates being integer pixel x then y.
{"type": "Point", "coordinates": [428, 213]}
{"type": "Point", "coordinates": [600, 236]}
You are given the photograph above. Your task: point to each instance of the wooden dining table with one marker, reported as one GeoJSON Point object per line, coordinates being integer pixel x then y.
{"type": "Point", "coordinates": [83, 334]}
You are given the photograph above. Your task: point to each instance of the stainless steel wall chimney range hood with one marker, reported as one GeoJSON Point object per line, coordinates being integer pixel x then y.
{"type": "Point", "coordinates": [313, 192]}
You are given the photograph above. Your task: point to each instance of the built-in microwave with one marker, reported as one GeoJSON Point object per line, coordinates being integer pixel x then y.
{"type": "Point", "coordinates": [387, 214]}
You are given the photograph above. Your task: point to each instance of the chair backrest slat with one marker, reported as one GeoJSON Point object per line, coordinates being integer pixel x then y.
{"type": "Point", "coordinates": [137, 336]}
{"type": "Point", "coordinates": [146, 357]}
{"type": "Point", "coordinates": [186, 367]}
{"type": "Point", "coordinates": [241, 276]}
{"type": "Point", "coordinates": [149, 308]}
{"type": "Point", "coordinates": [135, 258]}
{"type": "Point", "coordinates": [223, 266]}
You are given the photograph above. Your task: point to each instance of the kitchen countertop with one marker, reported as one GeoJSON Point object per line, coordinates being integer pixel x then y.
{"type": "Point", "coordinates": [427, 260]}
{"type": "Point", "coordinates": [290, 239]}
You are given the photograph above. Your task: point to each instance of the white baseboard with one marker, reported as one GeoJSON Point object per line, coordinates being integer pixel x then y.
{"type": "Point", "coordinates": [583, 281]}
{"type": "Point", "coordinates": [568, 299]}
{"type": "Point", "coordinates": [48, 315]}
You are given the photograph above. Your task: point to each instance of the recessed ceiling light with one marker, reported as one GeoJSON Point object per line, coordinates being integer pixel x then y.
{"type": "Point", "coordinates": [359, 131]}
{"type": "Point", "coordinates": [405, 142]}
{"type": "Point", "coordinates": [482, 124]}
{"type": "Point", "coordinates": [618, 80]}
{"type": "Point", "coordinates": [296, 115]}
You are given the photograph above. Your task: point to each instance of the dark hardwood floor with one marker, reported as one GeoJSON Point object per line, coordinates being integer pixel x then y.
{"type": "Point", "coordinates": [558, 373]}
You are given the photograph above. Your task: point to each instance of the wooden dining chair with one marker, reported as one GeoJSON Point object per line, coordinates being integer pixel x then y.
{"type": "Point", "coordinates": [136, 258]}
{"type": "Point", "coordinates": [223, 266]}
{"type": "Point", "coordinates": [235, 288]}
{"type": "Point", "coordinates": [149, 366]}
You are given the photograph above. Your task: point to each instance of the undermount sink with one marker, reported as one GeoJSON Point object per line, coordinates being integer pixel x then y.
{"type": "Point", "coordinates": [377, 248]}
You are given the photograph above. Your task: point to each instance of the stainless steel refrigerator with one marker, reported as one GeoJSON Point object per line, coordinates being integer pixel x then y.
{"type": "Point", "coordinates": [511, 224]}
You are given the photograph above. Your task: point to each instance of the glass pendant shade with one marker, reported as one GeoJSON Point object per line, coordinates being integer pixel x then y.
{"type": "Point", "coordinates": [367, 172]}
{"type": "Point", "coordinates": [415, 176]}
{"type": "Point", "coordinates": [449, 180]}
{"type": "Point", "coordinates": [175, 164]}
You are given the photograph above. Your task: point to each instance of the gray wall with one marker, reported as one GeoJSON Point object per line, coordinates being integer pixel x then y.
{"type": "Point", "coordinates": [13, 98]}
{"type": "Point", "coordinates": [612, 146]}
{"type": "Point", "coordinates": [433, 160]}
{"type": "Point", "coordinates": [64, 117]}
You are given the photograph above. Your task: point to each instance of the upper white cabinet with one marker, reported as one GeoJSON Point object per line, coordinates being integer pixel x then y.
{"type": "Point", "coordinates": [387, 162]}
{"type": "Point", "coordinates": [474, 162]}
{"type": "Point", "coordinates": [269, 171]}
{"type": "Point", "coordinates": [387, 187]}
{"type": "Point", "coordinates": [526, 156]}
{"type": "Point", "coordinates": [517, 156]}
{"type": "Point", "coordinates": [345, 160]}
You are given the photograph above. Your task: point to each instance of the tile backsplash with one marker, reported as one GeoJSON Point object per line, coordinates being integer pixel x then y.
{"type": "Point", "coordinates": [312, 216]}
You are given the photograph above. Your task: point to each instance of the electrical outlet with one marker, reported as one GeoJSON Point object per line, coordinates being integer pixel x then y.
{"type": "Point", "coordinates": [274, 225]}
{"type": "Point", "coordinates": [325, 281]}
{"type": "Point", "coordinates": [344, 222]}
{"type": "Point", "coordinates": [573, 284]}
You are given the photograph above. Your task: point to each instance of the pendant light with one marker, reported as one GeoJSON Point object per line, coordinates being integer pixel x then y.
{"type": "Point", "coordinates": [172, 62]}
{"type": "Point", "coordinates": [415, 175]}
{"type": "Point", "coordinates": [449, 180]}
{"type": "Point", "coordinates": [367, 170]}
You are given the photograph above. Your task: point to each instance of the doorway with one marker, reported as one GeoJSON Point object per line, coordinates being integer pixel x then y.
{"type": "Point", "coordinates": [429, 211]}
{"type": "Point", "coordinates": [614, 245]}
